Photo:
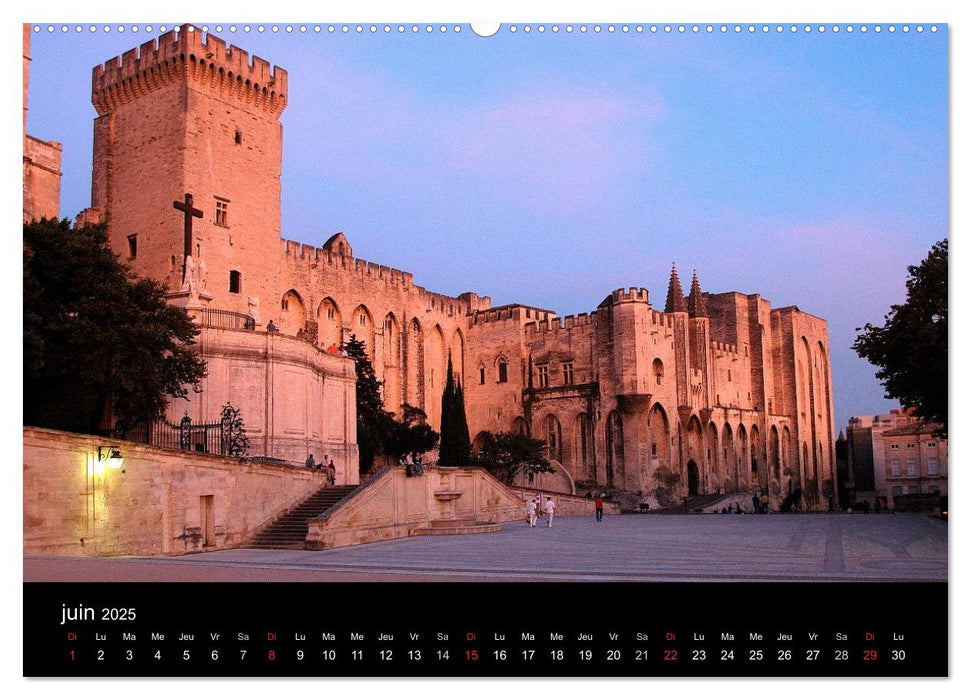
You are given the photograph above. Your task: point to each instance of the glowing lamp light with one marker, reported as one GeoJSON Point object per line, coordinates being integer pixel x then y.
{"type": "Point", "coordinates": [110, 455]}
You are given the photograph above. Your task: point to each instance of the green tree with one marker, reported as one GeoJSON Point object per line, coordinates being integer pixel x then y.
{"type": "Point", "coordinates": [410, 434]}
{"type": "Point", "coordinates": [374, 424]}
{"type": "Point", "coordinates": [505, 455]}
{"type": "Point", "coordinates": [100, 343]}
{"type": "Point", "coordinates": [910, 349]}
{"type": "Point", "coordinates": [456, 447]}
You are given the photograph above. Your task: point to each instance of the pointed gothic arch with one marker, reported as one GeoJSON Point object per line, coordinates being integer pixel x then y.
{"type": "Point", "coordinates": [330, 328]}
{"type": "Point", "coordinates": [787, 456]}
{"type": "Point", "coordinates": [457, 349]}
{"type": "Point", "coordinates": [759, 473]}
{"type": "Point", "coordinates": [775, 454]}
{"type": "Point", "coordinates": [436, 363]}
{"type": "Point", "coordinates": [582, 446]}
{"type": "Point", "coordinates": [658, 428]}
{"type": "Point", "coordinates": [713, 459]}
{"type": "Point", "coordinates": [391, 351]}
{"type": "Point", "coordinates": [729, 460]}
{"type": "Point", "coordinates": [743, 474]}
{"type": "Point", "coordinates": [614, 439]}
{"type": "Point", "coordinates": [693, 446]}
{"type": "Point", "coordinates": [362, 326]}
{"type": "Point", "coordinates": [414, 360]}
{"type": "Point", "coordinates": [553, 435]}
{"type": "Point", "coordinates": [293, 313]}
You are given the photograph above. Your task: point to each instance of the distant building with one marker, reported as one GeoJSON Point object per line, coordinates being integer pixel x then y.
{"type": "Point", "coordinates": [42, 163]}
{"type": "Point", "coordinates": [869, 455]}
{"type": "Point", "coordinates": [915, 460]}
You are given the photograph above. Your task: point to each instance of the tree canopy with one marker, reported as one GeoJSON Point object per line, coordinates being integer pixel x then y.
{"type": "Point", "coordinates": [410, 434]}
{"type": "Point", "coordinates": [377, 430]}
{"type": "Point", "coordinates": [101, 344]}
{"type": "Point", "coordinates": [505, 455]}
{"type": "Point", "coordinates": [910, 349]}
{"type": "Point", "coordinates": [456, 447]}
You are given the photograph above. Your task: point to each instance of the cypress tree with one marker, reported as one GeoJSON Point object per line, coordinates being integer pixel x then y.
{"type": "Point", "coordinates": [455, 445]}
{"type": "Point", "coordinates": [463, 443]}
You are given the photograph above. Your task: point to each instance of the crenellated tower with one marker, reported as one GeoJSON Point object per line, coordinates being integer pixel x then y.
{"type": "Point", "coordinates": [188, 114]}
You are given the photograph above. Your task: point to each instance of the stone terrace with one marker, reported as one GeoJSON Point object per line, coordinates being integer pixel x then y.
{"type": "Point", "coordinates": [811, 547]}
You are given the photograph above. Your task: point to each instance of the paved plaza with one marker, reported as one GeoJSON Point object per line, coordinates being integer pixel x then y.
{"type": "Point", "coordinates": [634, 547]}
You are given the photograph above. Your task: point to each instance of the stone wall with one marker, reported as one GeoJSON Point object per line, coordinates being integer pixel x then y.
{"type": "Point", "coordinates": [568, 505]}
{"type": "Point", "coordinates": [393, 505]}
{"type": "Point", "coordinates": [162, 502]}
{"type": "Point", "coordinates": [294, 399]}
{"type": "Point", "coordinates": [42, 179]}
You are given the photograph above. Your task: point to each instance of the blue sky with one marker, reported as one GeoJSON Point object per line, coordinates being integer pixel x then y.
{"type": "Point", "coordinates": [550, 168]}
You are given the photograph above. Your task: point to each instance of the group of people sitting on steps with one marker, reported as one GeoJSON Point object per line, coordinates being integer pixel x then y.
{"type": "Point", "coordinates": [327, 466]}
{"type": "Point", "coordinates": [413, 466]}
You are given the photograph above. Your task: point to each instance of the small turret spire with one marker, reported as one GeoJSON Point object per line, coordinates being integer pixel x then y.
{"type": "Point", "coordinates": [697, 306]}
{"type": "Point", "coordinates": [675, 300]}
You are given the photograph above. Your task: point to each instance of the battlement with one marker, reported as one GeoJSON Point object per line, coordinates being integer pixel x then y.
{"type": "Point", "coordinates": [620, 296]}
{"type": "Point", "coordinates": [442, 302]}
{"type": "Point", "coordinates": [724, 347]}
{"type": "Point", "coordinates": [510, 312]}
{"type": "Point", "coordinates": [184, 54]}
{"type": "Point", "coordinates": [556, 324]}
{"type": "Point", "coordinates": [664, 320]}
{"type": "Point", "coordinates": [312, 256]}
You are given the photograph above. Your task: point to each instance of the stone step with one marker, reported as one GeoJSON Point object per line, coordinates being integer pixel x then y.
{"type": "Point", "coordinates": [458, 527]}
{"type": "Point", "coordinates": [457, 522]}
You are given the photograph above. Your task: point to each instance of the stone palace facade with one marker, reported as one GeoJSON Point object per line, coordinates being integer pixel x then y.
{"type": "Point", "coordinates": [716, 393]}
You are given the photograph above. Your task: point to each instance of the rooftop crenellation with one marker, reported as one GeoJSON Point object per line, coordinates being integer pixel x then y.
{"type": "Point", "coordinates": [187, 52]}
{"type": "Point", "coordinates": [312, 256]}
{"type": "Point", "coordinates": [556, 324]}
{"type": "Point", "coordinates": [630, 295]}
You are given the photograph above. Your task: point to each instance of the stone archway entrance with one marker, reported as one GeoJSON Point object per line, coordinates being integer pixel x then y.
{"type": "Point", "coordinates": [692, 478]}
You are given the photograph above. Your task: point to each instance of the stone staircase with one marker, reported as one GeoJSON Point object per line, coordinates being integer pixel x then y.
{"type": "Point", "coordinates": [704, 503]}
{"type": "Point", "coordinates": [289, 531]}
{"type": "Point", "coordinates": [458, 526]}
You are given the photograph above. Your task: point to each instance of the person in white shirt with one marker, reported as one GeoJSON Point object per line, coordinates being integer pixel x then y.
{"type": "Point", "coordinates": [533, 512]}
{"type": "Point", "coordinates": [548, 509]}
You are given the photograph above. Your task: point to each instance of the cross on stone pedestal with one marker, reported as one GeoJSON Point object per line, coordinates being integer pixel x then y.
{"type": "Point", "coordinates": [189, 212]}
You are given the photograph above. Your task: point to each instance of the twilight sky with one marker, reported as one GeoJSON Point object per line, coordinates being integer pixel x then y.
{"type": "Point", "coordinates": [551, 168]}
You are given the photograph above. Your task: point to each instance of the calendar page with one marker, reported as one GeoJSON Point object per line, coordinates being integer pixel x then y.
{"type": "Point", "coordinates": [526, 349]}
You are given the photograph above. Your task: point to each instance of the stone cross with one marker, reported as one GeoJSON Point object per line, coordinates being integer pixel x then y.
{"type": "Point", "coordinates": [189, 211]}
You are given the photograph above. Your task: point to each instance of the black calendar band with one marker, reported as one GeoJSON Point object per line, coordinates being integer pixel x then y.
{"type": "Point", "coordinates": [486, 629]}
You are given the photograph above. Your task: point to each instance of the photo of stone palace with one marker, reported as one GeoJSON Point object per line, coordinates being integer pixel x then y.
{"type": "Point", "coordinates": [652, 396]}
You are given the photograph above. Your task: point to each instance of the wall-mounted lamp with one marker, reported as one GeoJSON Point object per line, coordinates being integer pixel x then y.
{"type": "Point", "coordinates": [111, 456]}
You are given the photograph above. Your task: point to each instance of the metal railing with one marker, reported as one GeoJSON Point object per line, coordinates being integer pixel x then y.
{"type": "Point", "coordinates": [217, 318]}
{"type": "Point", "coordinates": [212, 438]}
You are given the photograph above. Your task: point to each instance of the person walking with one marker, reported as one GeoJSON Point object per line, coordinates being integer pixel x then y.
{"type": "Point", "coordinates": [548, 509]}
{"type": "Point", "coordinates": [599, 505]}
{"type": "Point", "coordinates": [533, 512]}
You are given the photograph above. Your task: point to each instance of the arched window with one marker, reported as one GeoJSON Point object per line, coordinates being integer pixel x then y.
{"type": "Point", "coordinates": [658, 370]}
{"type": "Point", "coordinates": [503, 370]}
